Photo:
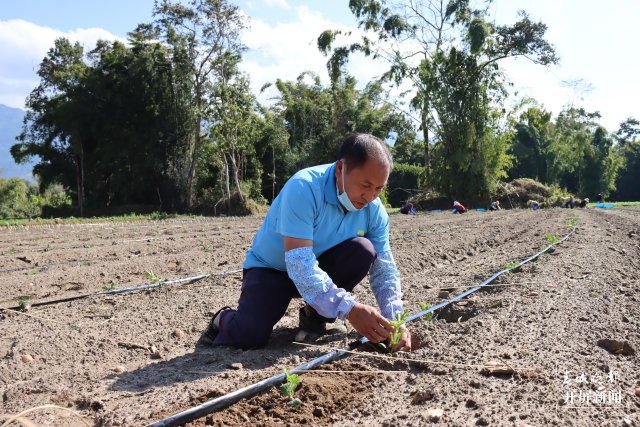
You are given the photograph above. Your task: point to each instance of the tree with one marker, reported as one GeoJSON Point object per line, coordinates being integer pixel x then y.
{"type": "Point", "coordinates": [56, 124]}
{"type": "Point", "coordinates": [629, 131]}
{"type": "Point", "coordinates": [200, 34]}
{"type": "Point", "coordinates": [533, 133]}
{"type": "Point", "coordinates": [236, 128]}
{"type": "Point", "coordinates": [424, 42]}
{"type": "Point", "coordinates": [628, 180]}
{"type": "Point", "coordinates": [581, 156]}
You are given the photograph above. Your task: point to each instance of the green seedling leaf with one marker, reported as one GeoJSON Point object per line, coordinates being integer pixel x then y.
{"type": "Point", "coordinates": [23, 302]}
{"type": "Point", "coordinates": [552, 238]}
{"type": "Point", "coordinates": [496, 304]}
{"type": "Point", "coordinates": [295, 402]}
{"type": "Point", "coordinates": [396, 324]}
{"type": "Point", "coordinates": [429, 317]}
{"type": "Point", "coordinates": [109, 286]}
{"type": "Point", "coordinates": [289, 387]}
{"type": "Point", "coordinates": [511, 265]}
{"type": "Point", "coordinates": [151, 277]}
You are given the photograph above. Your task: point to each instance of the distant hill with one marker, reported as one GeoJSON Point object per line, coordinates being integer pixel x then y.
{"type": "Point", "coordinates": [10, 126]}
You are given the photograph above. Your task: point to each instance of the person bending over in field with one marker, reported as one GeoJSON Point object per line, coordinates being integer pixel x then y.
{"type": "Point", "coordinates": [408, 209]}
{"type": "Point", "coordinates": [458, 208]}
{"type": "Point", "coordinates": [323, 233]}
{"type": "Point", "coordinates": [495, 205]}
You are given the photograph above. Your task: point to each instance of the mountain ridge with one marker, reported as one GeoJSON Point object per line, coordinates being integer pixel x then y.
{"type": "Point", "coordinates": [10, 127]}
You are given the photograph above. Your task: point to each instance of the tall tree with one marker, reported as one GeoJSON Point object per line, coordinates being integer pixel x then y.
{"type": "Point", "coordinates": [200, 34]}
{"type": "Point", "coordinates": [56, 126]}
{"type": "Point", "coordinates": [422, 39]}
{"type": "Point", "coordinates": [533, 133]}
{"type": "Point", "coordinates": [581, 155]}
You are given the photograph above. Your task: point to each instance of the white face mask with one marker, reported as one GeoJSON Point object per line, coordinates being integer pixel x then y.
{"type": "Point", "coordinates": [344, 197]}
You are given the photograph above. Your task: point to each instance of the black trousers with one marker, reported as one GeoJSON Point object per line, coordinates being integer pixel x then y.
{"type": "Point", "coordinates": [266, 293]}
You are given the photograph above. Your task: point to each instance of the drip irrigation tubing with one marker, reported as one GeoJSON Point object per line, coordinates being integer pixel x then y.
{"type": "Point", "coordinates": [136, 288]}
{"type": "Point", "coordinates": [254, 389]}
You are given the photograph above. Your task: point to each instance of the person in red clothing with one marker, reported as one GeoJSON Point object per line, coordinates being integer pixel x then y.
{"type": "Point", "coordinates": [408, 209]}
{"type": "Point", "coordinates": [458, 208]}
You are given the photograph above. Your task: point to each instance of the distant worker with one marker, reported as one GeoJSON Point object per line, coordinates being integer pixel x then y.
{"type": "Point", "coordinates": [600, 197]}
{"type": "Point", "coordinates": [458, 208]}
{"type": "Point", "coordinates": [583, 202]}
{"type": "Point", "coordinates": [568, 203]}
{"type": "Point", "coordinates": [408, 209]}
{"type": "Point", "coordinates": [495, 206]}
{"type": "Point", "coordinates": [534, 205]}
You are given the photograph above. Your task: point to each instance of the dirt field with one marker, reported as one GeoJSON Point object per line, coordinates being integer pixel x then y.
{"type": "Point", "coordinates": [543, 324]}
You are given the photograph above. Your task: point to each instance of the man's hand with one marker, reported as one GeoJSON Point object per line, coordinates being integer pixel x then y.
{"type": "Point", "coordinates": [405, 341]}
{"type": "Point", "coordinates": [366, 320]}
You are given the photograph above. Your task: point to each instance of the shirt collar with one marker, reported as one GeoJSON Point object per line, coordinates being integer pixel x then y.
{"type": "Point", "coordinates": [330, 188]}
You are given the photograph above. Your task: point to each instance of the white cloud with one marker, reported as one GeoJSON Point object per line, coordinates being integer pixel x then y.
{"type": "Point", "coordinates": [286, 49]}
{"type": "Point", "coordinates": [24, 45]}
{"type": "Point", "coordinates": [280, 3]}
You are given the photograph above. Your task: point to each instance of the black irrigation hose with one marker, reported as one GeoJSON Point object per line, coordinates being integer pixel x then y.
{"type": "Point", "coordinates": [251, 390]}
{"type": "Point", "coordinates": [130, 289]}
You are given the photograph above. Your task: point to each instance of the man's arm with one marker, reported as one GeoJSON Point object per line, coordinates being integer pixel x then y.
{"type": "Point", "coordinates": [319, 291]}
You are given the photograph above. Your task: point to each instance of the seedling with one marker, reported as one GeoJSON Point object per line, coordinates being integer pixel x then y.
{"type": "Point", "coordinates": [207, 247]}
{"type": "Point", "coordinates": [552, 238]}
{"type": "Point", "coordinates": [429, 317]}
{"type": "Point", "coordinates": [35, 270]}
{"type": "Point", "coordinates": [151, 277]}
{"type": "Point", "coordinates": [396, 334]}
{"type": "Point", "coordinates": [114, 242]}
{"type": "Point", "coordinates": [496, 304]}
{"type": "Point", "coordinates": [511, 265]}
{"type": "Point", "coordinates": [10, 251]}
{"type": "Point", "coordinates": [110, 286]}
{"type": "Point", "coordinates": [23, 302]}
{"type": "Point", "coordinates": [289, 387]}
{"type": "Point", "coordinates": [572, 222]}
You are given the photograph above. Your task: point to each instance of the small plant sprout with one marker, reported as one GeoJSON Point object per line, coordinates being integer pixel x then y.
{"type": "Point", "coordinates": [572, 222]}
{"type": "Point", "coordinates": [23, 302]}
{"type": "Point", "coordinates": [110, 286]}
{"type": "Point", "coordinates": [397, 332]}
{"type": "Point", "coordinates": [207, 247]}
{"type": "Point", "coordinates": [289, 387]}
{"type": "Point", "coordinates": [511, 265]}
{"type": "Point", "coordinates": [429, 317]}
{"type": "Point", "coordinates": [10, 251]}
{"type": "Point", "coordinates": [151, 277]}
{"type": "Point", "coordinates": [496, 304]}
{"type": "Point", "coordinates": [552, 238]}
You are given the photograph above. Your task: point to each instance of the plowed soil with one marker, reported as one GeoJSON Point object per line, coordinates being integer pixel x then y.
{"type": "Point", "coordinates": [545, 326]}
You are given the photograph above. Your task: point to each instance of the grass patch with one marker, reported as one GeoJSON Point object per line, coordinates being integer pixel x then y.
{"type": "Point", "coordinates": [154, 216]}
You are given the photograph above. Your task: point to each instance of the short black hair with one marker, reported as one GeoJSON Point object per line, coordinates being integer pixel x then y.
{"type": "Point", "coordinates": [357, 148]}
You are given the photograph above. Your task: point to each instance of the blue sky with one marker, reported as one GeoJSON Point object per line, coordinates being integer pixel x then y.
{"type": "Point", "coordinates": [597, 45]}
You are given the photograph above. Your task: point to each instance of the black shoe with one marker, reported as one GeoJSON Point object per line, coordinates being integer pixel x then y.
{"type": "Point", "coordinates": [212, 330]}
{"type": "Point", "coordinates": [311, 321]}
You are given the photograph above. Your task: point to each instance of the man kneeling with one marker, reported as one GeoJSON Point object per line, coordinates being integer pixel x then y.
{"type": "Point", "coordinates": [326, 229]}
